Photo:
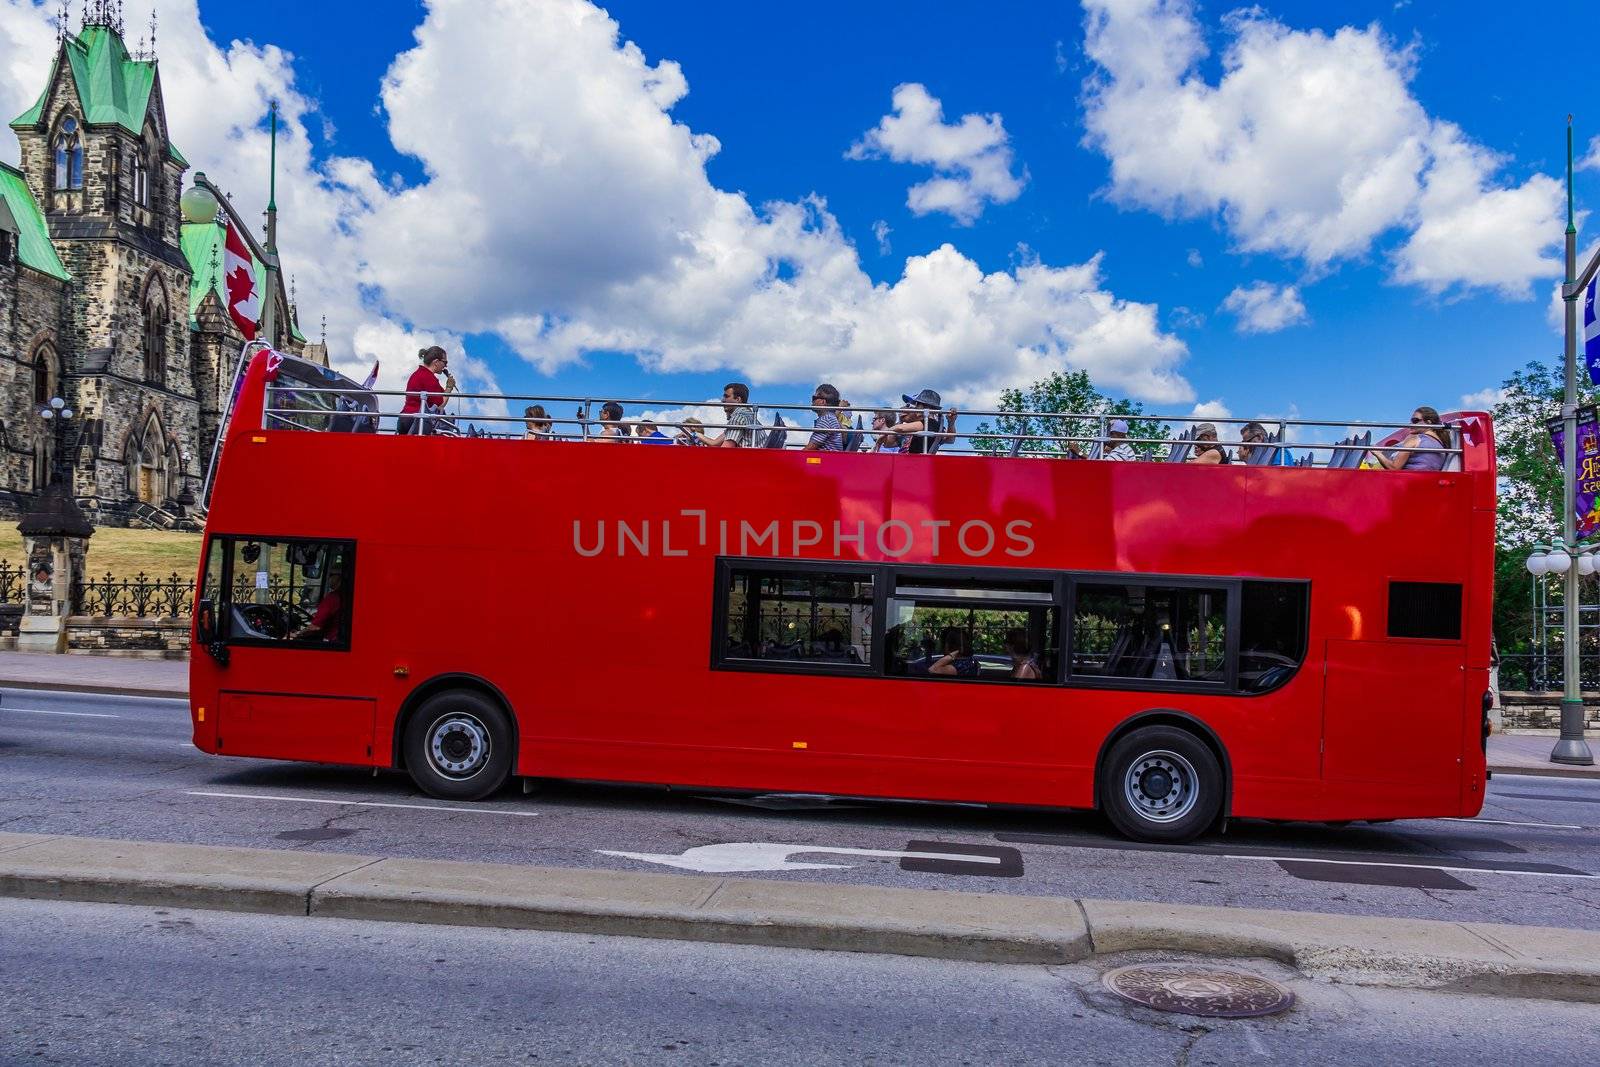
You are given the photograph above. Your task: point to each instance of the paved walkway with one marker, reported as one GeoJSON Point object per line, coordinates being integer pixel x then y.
{"type": "Point", "coordinates": [109, 674]}
{"type": "Point", "coordinates": [1508, 753]}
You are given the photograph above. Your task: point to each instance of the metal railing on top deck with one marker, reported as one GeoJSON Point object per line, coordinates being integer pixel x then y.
{"type": "Point", "coordinates": [293, 405]}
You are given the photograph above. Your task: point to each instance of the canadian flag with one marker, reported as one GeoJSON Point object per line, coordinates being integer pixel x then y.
{"type": "Point", "coordinates": [239, 275]}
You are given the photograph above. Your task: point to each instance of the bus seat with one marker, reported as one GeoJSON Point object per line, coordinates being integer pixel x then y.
{"type": "Point", "coordinates": [1097, 450]}
{"type": "Point", "coordinates": [1180, 447]}
{"type": "Point", "coordinates": [1452, 439]}
{"type": "Point", "coordinates": [853, 435]}
{"type": "Point", "coordinates": [778, 436]}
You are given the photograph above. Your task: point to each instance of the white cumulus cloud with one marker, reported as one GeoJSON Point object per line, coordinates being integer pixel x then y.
{"type": "Point", "coordinates": [971, 159]}
{"type": "Point", "coordinates": [573, 215]}
{"type": "Point", "coordinates": [1310, 145]}
{"type": "Point", "coordinates": [1262, 307]}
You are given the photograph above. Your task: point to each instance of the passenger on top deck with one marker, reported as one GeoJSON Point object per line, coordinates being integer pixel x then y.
{"type": "Point", "coordinates": [884, 439]}
{"type": "Point", "coordinates": [826, 437]}
{"type": "Point", "coordinates": [612, 430]}
{"type": "Point", "coordinates": [1206, 449]}
{"type": "Point", "coordinates": [649, 434]}
{"type": "Point", "coordinates": [690, 432]}
{"type": "Point", "coordinates": [537, 421]}
{"type": "Point", "coordinates": [1427, 434]}
{"type": "Point", "coordinates": [740, 417]}
{"type": "Point", "coordinates": [424, 392]}
{"type": "Point", "coordinates": [1119, 449]}
{"type": "Point", "coordinates": [1253, 435]}
{"type": "Point", "coordinates": [925, 428]}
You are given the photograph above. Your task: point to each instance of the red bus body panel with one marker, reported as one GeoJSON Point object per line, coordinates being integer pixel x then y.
{"type": "Point", "coordinates": [468, 563]}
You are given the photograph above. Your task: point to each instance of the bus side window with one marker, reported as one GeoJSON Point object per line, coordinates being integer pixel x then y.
{"type": "Point", "coordinates": [1148, 631]}
{"type": "Point", "coordinates": [1272, 633]}
{"type": "Point", "coordinates": [800, 616]}
{"type": "Point", "coordinates": [958, 627]}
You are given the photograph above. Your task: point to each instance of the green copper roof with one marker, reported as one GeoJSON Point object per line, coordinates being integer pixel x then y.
{"type": "Point", "coordinates": [33, 238]}
{"type": "Point", "coordinates": [203, 247]}
{"type": "Point", "coordinates": [113, 87]}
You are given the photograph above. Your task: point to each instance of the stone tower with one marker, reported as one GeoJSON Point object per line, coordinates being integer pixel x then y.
{"type": "Point", "coordinates": [98, 159]}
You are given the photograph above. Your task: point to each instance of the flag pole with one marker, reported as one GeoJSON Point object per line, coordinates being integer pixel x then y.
{"type": "Point", "coordinates": [1571, 748]}
{"type": "Point", "coordinates": [269, 314]}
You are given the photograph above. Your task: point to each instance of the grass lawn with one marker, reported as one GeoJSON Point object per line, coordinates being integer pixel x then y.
{"type": "Point", "coordinates": [158, 553]}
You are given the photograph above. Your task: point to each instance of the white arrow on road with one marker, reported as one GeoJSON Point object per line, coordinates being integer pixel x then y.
{"type": "Point", "coordinates": [745, 856]}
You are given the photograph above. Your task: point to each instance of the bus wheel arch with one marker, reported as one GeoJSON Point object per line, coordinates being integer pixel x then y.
{"type": "Point", "coordinates": [444, 683]}
{"type": "Point", "coordinates": [1184, 724]}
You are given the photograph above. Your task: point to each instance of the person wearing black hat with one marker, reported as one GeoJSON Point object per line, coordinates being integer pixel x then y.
{"type": "Point", "coordinates": [925, 427]}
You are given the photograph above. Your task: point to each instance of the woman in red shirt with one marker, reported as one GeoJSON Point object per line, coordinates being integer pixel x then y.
{"type": "Point", "coordinates": [424, 388]}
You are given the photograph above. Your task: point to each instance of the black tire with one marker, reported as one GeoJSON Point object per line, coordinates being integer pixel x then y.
{"type": "Point", "coordinates": [458, 746]}
{"type": "Point", "coordinates": [1161, 784]}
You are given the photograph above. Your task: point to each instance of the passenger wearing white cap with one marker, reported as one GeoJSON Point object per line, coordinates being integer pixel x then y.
{"type": "Point", "coordinates": [1117, 432]}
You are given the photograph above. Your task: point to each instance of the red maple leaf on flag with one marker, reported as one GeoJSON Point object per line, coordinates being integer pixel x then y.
{"type": "Point", "coordinates": [240, 285]}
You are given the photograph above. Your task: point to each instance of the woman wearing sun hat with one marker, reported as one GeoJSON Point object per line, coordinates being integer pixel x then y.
{"type": "Point", "coordinates": [924, 427]}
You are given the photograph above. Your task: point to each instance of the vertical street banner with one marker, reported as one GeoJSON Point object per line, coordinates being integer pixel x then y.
{"type": "Point", "coordinates": [1586, 504]}
{"type": "Point", "coordinates": [1591, 333]}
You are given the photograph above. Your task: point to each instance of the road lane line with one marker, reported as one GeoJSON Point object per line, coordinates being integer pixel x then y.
{"type": "Point", "coordinates": [1508, 822]}
{"type": "Point", "coordinates": [360, 803]}
{"type": "Point", "coordinates": [71, 714]}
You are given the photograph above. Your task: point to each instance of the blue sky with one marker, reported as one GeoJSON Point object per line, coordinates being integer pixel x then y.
{"type": "Point", "coordinates": [786, 92]}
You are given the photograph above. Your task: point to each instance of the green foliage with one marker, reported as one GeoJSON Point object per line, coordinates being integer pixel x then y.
{"type": "Point", "coordinates": [1067, 393]}
{"type": "Point", "coordinates": [1530, 497]}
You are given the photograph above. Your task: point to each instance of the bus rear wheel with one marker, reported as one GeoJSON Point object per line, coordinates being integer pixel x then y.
{"type": "Point", "coordinates": [1161, 784]}
{"type": "Point", "coordinates": [458, 746]}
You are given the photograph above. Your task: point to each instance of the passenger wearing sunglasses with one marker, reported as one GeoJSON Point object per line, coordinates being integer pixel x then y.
{"type": "Point", "coordinates": [1427, 434]}
{"type": "Point", "coordinates": [827, 436]}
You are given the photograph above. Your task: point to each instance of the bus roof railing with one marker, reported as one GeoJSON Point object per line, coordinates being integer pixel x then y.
{"type": "Point", "coordinates": [342, 408]}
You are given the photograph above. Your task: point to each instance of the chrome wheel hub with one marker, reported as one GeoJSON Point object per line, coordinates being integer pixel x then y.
{"type": "Point", "coordinates": [1161, 786]}
{"type": "Point", "coordinates": [459, 746]}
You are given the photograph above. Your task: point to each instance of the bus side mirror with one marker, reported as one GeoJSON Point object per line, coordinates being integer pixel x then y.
{"type": "Point", "coordinates": [205, 631]}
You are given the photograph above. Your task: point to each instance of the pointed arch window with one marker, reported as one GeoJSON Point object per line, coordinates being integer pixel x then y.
{"type": "Point", "coordinates": [155, 339]}
{"type": "Point", "coordinates": [69, 155]}
{"type": "Point", "coordinates": [141, 178]}
{"type": "Point", "coordinates": [44, 375]}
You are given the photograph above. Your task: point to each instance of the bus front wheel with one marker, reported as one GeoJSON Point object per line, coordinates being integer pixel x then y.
{"type": "Point", "coordinates": [458, 746]}
{"type": "Point", "coordinates": [1161, 784]}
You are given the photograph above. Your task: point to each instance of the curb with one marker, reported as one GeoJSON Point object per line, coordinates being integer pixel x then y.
{"type": "Point", "coordinates": [94, 687]}
{"type": "Point", "coordinates": [1552, 771]}
{"type": "Point", "coordinates": [1518, 961]}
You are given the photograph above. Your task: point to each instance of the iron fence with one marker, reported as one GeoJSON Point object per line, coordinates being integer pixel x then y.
{"type": "Point", "coordinates": [1541, 672]}
{"type": "Point", "coordinates": [13, 584]}
{"type": "Point", "coordinates": [141, 596]}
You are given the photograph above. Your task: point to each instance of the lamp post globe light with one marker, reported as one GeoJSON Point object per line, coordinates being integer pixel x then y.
{"type": "Point", "coordinates": [56, 414]}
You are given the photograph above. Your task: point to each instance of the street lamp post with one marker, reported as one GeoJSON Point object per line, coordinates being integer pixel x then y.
{"type": "Point", "coordinates": [56, 415]}
{"type": "Point", "coordinates": [1571, 747]}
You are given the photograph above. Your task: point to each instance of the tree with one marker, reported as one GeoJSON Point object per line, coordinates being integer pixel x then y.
{"type": "Point", "coordinates": [1063, 393]}
{"type": "Point", "coordinates": [1530, 497]}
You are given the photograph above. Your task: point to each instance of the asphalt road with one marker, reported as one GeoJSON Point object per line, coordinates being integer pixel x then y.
{"type": "Point", "coordinates": [92, 983]}
{"type": "Point", "coordinates": [123, 767]}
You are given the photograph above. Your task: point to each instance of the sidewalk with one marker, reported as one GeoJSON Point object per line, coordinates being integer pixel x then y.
{"type": "Point", "coordinates": [1485, 958]}
{"type": "Point", "coordinates": [1530, 754]}
{"type": "Point", "coordinates": [125, 675]}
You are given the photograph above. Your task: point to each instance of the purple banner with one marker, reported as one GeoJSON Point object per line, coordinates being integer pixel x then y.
{"type": "Point", "coordinates": [1586, 505]}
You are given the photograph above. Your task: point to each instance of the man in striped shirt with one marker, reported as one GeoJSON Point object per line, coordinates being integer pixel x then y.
{"type": "Point", "coordinates": [827, 435]}
{"type": "Point", "coordinates": [739, 416]}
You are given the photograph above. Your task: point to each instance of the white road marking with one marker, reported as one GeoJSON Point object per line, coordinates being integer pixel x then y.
{"type": "Point", "coordinates": [1508, 822]}
{"type": "Point", "coordinates": [71, 714]}
{"type": "Point", "coordinates": [746, 856]}
{"type": "Point", "coordinates": [361, 803]}
{"type": "Point", "coordinates": [1410, 866]}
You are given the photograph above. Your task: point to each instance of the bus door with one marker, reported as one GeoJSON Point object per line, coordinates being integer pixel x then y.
{"type": "Point", "coordinates": [1392, 718]}
{"type": "Point", "coordinates": [276, 615]}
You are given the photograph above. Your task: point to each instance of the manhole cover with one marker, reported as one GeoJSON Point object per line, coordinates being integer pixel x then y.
{"type": "Point", "coordinates": [1191, 990]}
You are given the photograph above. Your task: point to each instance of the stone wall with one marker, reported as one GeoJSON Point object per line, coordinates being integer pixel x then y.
{"type": "Point", "coordinates": [143, 638]}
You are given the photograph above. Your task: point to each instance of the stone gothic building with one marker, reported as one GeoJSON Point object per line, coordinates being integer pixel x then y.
{"type": "Point", "coordinates": [108, 298]}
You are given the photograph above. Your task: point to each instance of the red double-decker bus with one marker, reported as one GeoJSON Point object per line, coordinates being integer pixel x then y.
{"type": "Point", "coordinates": [1170, 643]}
